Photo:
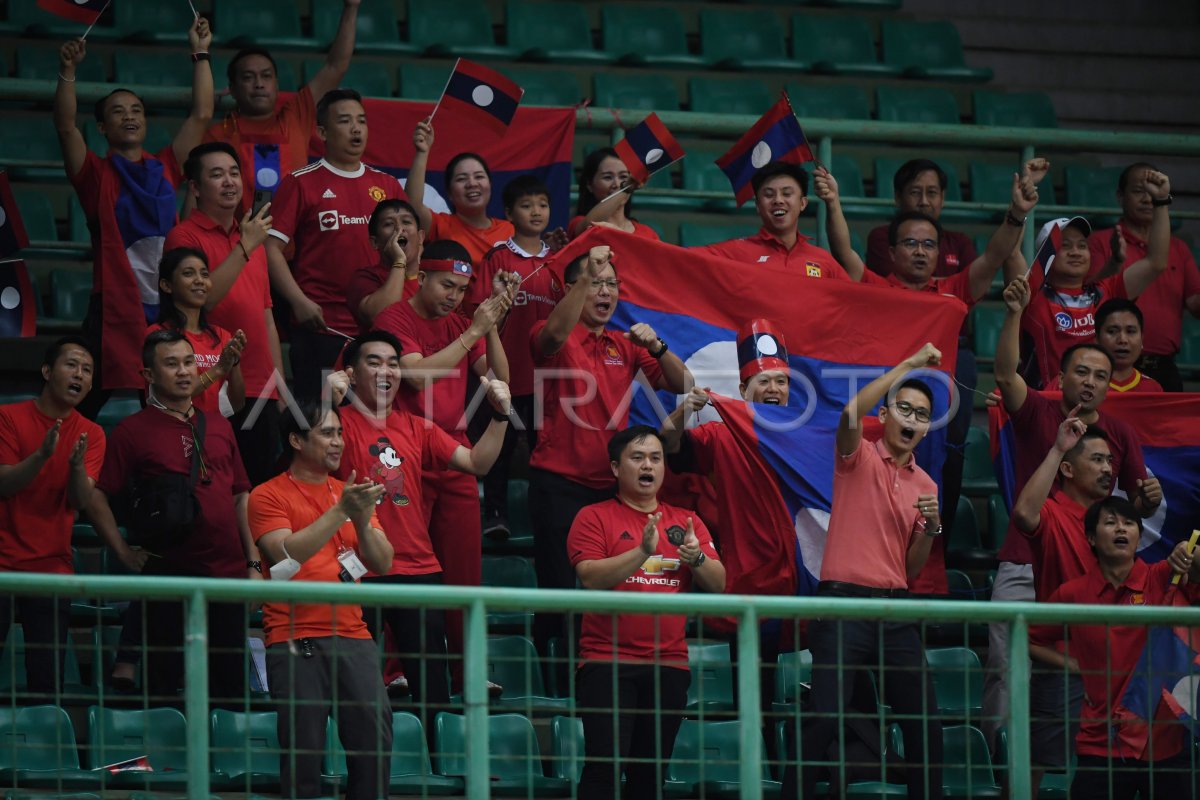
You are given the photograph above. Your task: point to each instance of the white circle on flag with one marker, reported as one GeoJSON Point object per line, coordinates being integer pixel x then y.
{"type": "Point", "coordinates": [266, 178]}
{"type": "Point", "coordinates": [761, 155]}
{"type": "Point", "coordinates": [3, 217]}
{"type": "Point", "coordinates": [483, 95]}
{"type": "Point", "coordinates": [767, 345]}
{"type": "Point", "coordinates": [82, 2]}
{"type": "Point", "coordinates": [654, 155]}
{"type": "Point", "coordinates": [10, 298]}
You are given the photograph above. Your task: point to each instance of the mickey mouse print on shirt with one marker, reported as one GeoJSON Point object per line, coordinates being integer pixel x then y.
{"type": "Point", "coordinates": [389, 471]}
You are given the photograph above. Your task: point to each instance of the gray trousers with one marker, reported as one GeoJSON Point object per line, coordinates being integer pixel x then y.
{"type": "Point", "coordinates": [1014, 582]}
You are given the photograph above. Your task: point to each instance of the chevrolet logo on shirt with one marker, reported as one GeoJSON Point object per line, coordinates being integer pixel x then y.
{"type": "Point", "coordinates": [657, 565]}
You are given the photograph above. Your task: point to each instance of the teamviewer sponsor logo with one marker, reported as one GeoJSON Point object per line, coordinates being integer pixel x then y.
{"type": "Point", "coordinates": [328, 220]}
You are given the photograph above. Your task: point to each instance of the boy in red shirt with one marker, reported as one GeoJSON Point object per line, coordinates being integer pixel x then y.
{"type": "Point", "coordinates": [637, 664]}
{"type": "Point", "coordinates": [395, 233]}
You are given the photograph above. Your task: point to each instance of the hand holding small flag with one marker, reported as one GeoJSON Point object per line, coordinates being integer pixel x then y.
{"type": "Point", "coordinates": [646, 149]}
{"type": "Point", "coordinates": [482, 95]}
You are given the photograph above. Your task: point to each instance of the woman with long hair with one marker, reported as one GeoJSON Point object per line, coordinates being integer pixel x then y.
{"type": "Point", "coordinates": [603, 174]}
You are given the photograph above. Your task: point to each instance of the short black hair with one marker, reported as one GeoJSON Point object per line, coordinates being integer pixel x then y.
{"type": "Point", "coordinates": [1116, 306]}
{"type": "Point", "coordinates": [354, 347]}
{"type": "Point", "coordinates": [909, 216]}
{"type": "Point", "coordinates": [909, 170]}
{"type": "Point", "coordinates": [155, 338]}
{"type": "Point", "coordinates": [621, 439]}
{"type": "Point", "coordinates": [1075, 348]}
{"type": "Point", "coordinates": [918, 385]}
{"type": "Point", "coordinates": [103, 101]}
{"type": "Point", "coordinates": [390, 204]}
{"type": "Point", "coordinates": [573, 270]}
{"type": "Point", "coordinates": [446, 250]}
{"type": "Point", "coordinates": [301, 417]}
{"type": "Point", "coordinates": [776, 168]}
{"type": "Point", "coordinates": [192, 167]}
{"type": "Point", "coordinates": [523, 186]}
{"type": "Point", "coordinates": [1117, 505]}
{"type": "Point", "coordinates": [51, 356]}
{"type": "Point", "coordinates": [1092, 432]}
{"type": "Point", "coordinates": [1123, 181]}
{"type": "Point", "coordinates": [331, 97]}
{"type": "Point", "coordinates": [231, 70]}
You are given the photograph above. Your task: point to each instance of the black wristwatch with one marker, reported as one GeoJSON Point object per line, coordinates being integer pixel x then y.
{"type": "Point", "coordinates": [662, 351]}
{"type": "Point", "coordinates": [700, 560]}
{"type": "Point", "coordinates": [254, 565]}
{"type": "Point", "coordinates": [1013, 219]}
{"type": "Point", "coordinates": [1166, 201]}
{"type": "Point", "coordinates": [500, 416]}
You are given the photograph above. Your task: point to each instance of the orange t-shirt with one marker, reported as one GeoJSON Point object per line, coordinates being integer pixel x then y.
{"type": "Point", "coordinates": [478, 241]}
{"type": "Point", "coordinates": [284, 502]}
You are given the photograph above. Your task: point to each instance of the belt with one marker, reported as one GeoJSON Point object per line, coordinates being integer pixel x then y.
{"type": "Point", "coordinates": [840, 589]}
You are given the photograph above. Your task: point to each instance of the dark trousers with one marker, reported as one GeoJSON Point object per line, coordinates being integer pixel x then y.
{"type": "Point", "coordinates": [639, 745]}
{"type": "Point", "coordinates": [1164, 370]}
{"type": "Point", "coordinates": [92, 325]}
{"type": "Point", "coordinates": [840, 650]}
{"type": "Point", "coordinates": [258, 443]}
{"type": "Point", "coordinates": [45, 621]}
{"type": "Point", "coordinates": [452, 514]}
{"type": "Point", "coordinates": [310, 355]}
{"type": "Point", "coordinates": [1124, 778]}
{"type": "Point", "coordinates": [331, 675]}
{"type": "Point", "coordinates": [495, 483]}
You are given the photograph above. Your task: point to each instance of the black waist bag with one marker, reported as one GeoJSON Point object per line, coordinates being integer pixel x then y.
{"type": "Point", "coordinates": [164, 510]}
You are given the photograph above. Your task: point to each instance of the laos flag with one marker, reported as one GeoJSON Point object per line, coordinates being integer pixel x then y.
{"type": "Point", "coordinates": [839, 335]}
{"type": "Point", "coordinates": [481, 96]}
{"type": "Point", "coordinates": [777, 136]}
{"type": "Point", "coordinates": [1167, 676]}
{"type": "Point", "coordinates": [84, 11]}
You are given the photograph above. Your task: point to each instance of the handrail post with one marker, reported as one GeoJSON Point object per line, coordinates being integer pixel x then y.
{"type": "Point", "coordinates": [824, 156]}
{"type": "Point", "coordinates": [476, 702]}
{"type": "Point", "coordinates": [1031, 227]}
{"type": "Point", "coordinates": [749, 707]}
{"type": "Point", "coordinates": [195, 653]}
{"type": "Point", "coordinates": [1019, 761]}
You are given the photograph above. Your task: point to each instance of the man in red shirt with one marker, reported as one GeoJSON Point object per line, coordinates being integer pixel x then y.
{"type": "Point", "coordinates": [1164, 301]}
{"type": "Point", "coordinates": [324, 209]}
{"type": "Point", "coordinates": [50, 458]}
{"type": "Point", "coordinates": [780, 196]}
{"type": "Point", "coordinates": [882, 525]}
{"type": "Point", "coordinates": [583, 376]}
{"type": "Point", "coordinates": [395, 233]}
{"type": "Point", "coordinates": [272, 139]}
{"type": "Point", "coordinates": [170, 437]}
{"type": "Point", "coordinates": [240, 298]}
{"type": "Point", "coordinates": [636, 665]}
{"type": "Point", "coordinates": [1119, 325]}
{"type": "Point", "coordinates": [311, 527]}
{"type": "Point", "coordinates": [128, 198]}
{"type": "Point", "coordinates": [1121, 753]}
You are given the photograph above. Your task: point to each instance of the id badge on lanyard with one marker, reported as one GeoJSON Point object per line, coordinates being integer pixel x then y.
{"type": "Point", "coordinates": [352, 568]}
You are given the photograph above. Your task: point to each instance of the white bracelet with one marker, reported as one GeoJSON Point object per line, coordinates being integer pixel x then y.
{"type": "Point", "coordinates": [62, 77]}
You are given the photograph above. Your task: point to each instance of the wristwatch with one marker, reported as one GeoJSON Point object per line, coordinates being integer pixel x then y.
{"type": "Point", "coordinates": [1166, 201]}
{"type": "Point", "coordinates": [500, 416]}
{"type": "Point", "coordinates": [933, 533]}
{"type": "Point", "coordinates": [254, 565]}
{"type": "Point", "coordinates": [662, 351]}
{"type": "Point", "coordinates": [700, 560]}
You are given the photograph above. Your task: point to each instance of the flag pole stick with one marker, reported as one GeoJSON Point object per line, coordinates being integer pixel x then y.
{"type": "Point", "coordinates": [192, 6]}
{"type": "Point", "coordinates": [438, 104]}
{"type": "Point", "coordinates": [1191, 548]}
{"type": "Point", "coordinates": [97, 19]}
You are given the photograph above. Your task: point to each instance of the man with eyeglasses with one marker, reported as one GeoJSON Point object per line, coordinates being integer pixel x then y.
{"type": "Point", "coordinates": [882, 526]}
{"type": "Point", "coordinates": [583, 376]}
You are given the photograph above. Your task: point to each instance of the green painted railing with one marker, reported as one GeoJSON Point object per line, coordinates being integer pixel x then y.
{"type": "Point", "coordinates": [477, 602]}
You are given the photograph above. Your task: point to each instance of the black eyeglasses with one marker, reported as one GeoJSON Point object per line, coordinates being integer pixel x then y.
{"type": "Point", "coordinates": [907, 410]}
{"type": "Point", "coordinates": [913, 244]}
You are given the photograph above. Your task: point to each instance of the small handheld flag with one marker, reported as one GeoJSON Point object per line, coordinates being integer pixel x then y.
{"type": "Point", "coordinates": [485, 96]}
{"type": "Point", "coordinates": [777, 136]}
{"type": "Point", "coordinates": [84, 11]}
{"type": "Point", "coordinates": [12, 230]}
{"type": "Point", "coordinates": [647, 148]}
{"type": "Point", "coordinates": [18, 308]}
{"type": "Point", "coordinates": [1191, 548]}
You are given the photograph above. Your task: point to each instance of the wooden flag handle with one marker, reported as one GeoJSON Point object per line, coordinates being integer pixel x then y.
{"type": "Point", "coordinates": [1191, 546]}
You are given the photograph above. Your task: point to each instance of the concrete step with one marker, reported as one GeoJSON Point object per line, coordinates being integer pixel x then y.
{"type": "Point", "coordinates": [1099, 38]}
{"type": "Point", "coordinates": [1174, 13]}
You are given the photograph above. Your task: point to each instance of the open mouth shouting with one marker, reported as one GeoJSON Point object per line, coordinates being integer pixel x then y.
{"type": "Point", "coordinates": [646, 479]}
{"type": "Point", "coordinates": [908, 434]}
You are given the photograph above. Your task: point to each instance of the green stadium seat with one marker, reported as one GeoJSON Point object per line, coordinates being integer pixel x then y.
{"type": "Point", "coordinates": [244, 749]}
{"type": "Point", "coordinates": [1014, 109]}
{"type": "Point", "coordinates": [697, 234]}
{"type": "Point", "coordinates": [30, 139]}
{"type": "Point", "coordinates": [37, 214]}
{"type": "Point", "coordinates": [515, 763]}
{"type": "Point", "coordinates": [730, 96]}
{"type": "Point", "coordinates": [512, 662]}
{"type": "Point", "coordinates": [1092, 186]}
{"type": "Point", "coordinates": [424, 81]}
{"type": "Point", "coordinates": [132, 67]}
{"type": "Point", "coordinates": [968, 772]}
{"type": "Point", "coordinates": [829, 102]}
{"type": "Point", "coordinates": [642, 92]}
{"type": "Point", "coordinates": [368, 78]}
{"type": "Point", "coordinates": [566, 748]}
{"type": "Point", "coordinates": [1055, 785]}
{"type": "Point", "coordinates": [375, 29]}
{"type": "Point", "coordinates": [116, 409]}
{"type": "Point", "coordinates": [461, 28]}
{"type": "Point", "coordinates": [997, 514]}
{"type": "Point", "coordinates": [988, 320]}
{"type": "Point", "coordinates": [701, 174]}
{"type": "Point", "coordinates": [885, 172]}
{"type": "Point", "coordinates": [547, 87]}
{"type": "Point", "coordinates": [266, 23]}
{"type": "Point", "coordinates": [957, 681]}
{"type": "Point", "coordinates": [159, 23]}
{"type": "Point", "coordinates": [785, 730]}
{"type": "Point", "coordinates": [285, 73]}
{"type": "Point", "coordinates": [745, 39]}
{"type": "Point", "coordinates": [992, 183]}
{"type": "Point", "coordinates": [979, 476]}
{"type": "Point", "coordinates": [711, 689]}
{"type": "Point", "coordinates": [650, 35]}
{"type": "Point", "coordinates": [864, 5]}
{"type": "Point", "coordinates": [559, 665]}
{"type": "Point", "coordinates": [848, 174]}
{"type": "Point", "coordinates": [512, 572]}
{"type": "Point", "coordinates": [964, 549]}
{"type": "Point", "coordinates": [70, 291]}
{"type": "Point", "coordinates": [13, 678]}
{"type": "Point", "coordinates": [705, 762]}
{"type": "Point", "coordinates": [793, 673]}
{"type": "Point", "coordinates": [38, 750]}
{"type": "Point", "coordinates": [41, 63]}
{"type": "Point", "coordinates": [923, 105]}
{"type": "Point", "coordinates": [116, 735]}
{"type": "Point", "coordinates": [930, 50]}
{"type": "Point", "coordinates": [960, 585]}
{"type": "Point", "coordinates": [838, 46]}
{"type": "Point", "coordinates": [558, 32]}
{"type": "Point", "coordinates": [410, 772]}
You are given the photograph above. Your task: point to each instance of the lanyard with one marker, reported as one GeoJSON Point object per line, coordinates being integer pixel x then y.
{"type": "Point", "coordinates": [341, 543]}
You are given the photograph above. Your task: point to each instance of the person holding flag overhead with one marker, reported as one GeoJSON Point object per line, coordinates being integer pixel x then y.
{"type": "Point", "coordinates": [606, 195]}
{"type": "Point", "coordinates": [128, 198]}
{"type": "Point", "coordinates": [777, 136]}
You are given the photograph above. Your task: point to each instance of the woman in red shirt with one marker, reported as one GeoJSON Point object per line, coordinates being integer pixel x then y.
{"type": "Point", "coordinates": [604, 173]}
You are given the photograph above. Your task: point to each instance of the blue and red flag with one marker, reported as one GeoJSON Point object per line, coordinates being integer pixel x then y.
{"type": "Point", "coordinates": [848, 335]}
{"type": "Point", "coordinates": [18, 306]}
{"type": "Point", "coordinates": [12, 230]}
{"type": "Point", "coordinates": [481, 96]}
{"type": "Point", "coordinates": [1167, 674]}
{"type": "Point", "coordinates": [777, 136]}
{"type": "Point", "coordinates": [647, 148]}
{"type": "Point", "coordinates": [1043, 257]}
{"type": "Point", "coordinates": [84, 11]}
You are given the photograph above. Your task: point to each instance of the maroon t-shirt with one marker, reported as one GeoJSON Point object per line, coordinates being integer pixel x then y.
{"type": "Point", "coordinates": [154, 442]}
{"type": "Point", "coordinates": [956, 251]}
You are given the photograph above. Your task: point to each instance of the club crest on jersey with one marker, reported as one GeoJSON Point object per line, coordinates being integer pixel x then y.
{"type": "Point", "coordinates": [377, 193]}
{"type": "Point", "coordinates": [612, 356]}
{"type": "Point", "coordinates": [675, 534]}
{"type": "Point", "coordinates": [328, 220]}
{"type": "Point", "coordinates": [812, 269]}
{"type": "Point", "coordinates": [1137, 599]}
{"type": "Point", "coordinates": [951, 259]}
{"type": "Point", "coordinates": [1063, 321]}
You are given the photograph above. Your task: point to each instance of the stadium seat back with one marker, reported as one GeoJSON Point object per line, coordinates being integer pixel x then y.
{"type": "Point", "coordinates": [272, 18]}
{"type": "Point", "coordinates": [730, 95]}
{"type": "Point", "coordinates": [560, 26]}
{"type": "Point", "coordinates": [992, 183]}
{"type": "Point", "coordinates": [152, 21]}
{"type": "Point", "coordinates": [829, 102]}
{"type": "Point", "coordinates": [13, 677]}
{"type": "Point", "coordinates": [924, 105]}
{"type": "Point", "coordinates": [147, 68]}
{"type": "Point", "coordinates": [423, 81]}
{"type": "Point", "coordinates": [957, 680]}
{"type": "Point", "coordinates": [37, 738]}
{"type": "Point", "coordinates": [988, 320]}
{"type": "Point", "coordinates": [70, 291]}
{"type": "Point", "coordinates": [965, 534]}
{"type": "Point", "coordinates": [511, 571]}
{"type": "Point", "coordinates": [977, 455]}
{"type": "Point", "coordinates": [566, 748]}
{"type": "Point", "coordinates": [1092, 186]}
{"type": "Point", "coordinates": [712, 676]}
{"type": "Point", "coordinates": [544, 87]}
{"type": "Point", "coordinates": [639, 30]}
{"type": "Point", "coordinates": [368, 78]}
{"type": "Point", "coordinates": [649, 93]}
{"type": "Point", "coordinates": [908, 43]}
{"type": "Point", "coordinates": [244, 743]}
{"type": "Point", "coordinates": [734, 34]}
{"type": "Point", "coordinates": [37, 214]}
{"type": "Point", "coordinates": [41, 63]}
{"type": "Point", "coordinates": [997, 521]}
{"type": "Point", "coordinates": [697, 234]}
{"type": "Point", "coordinates": [1014, 109]}
{"type": "Point", "coordinates": [820, 40]}
{"type": "Point", "coordinates": [792, 669]}
{"type": "Point", "coordinates": [29, 138]}
{"type": "Point", "coordinates": [376, 22]}
{"type": "Point", "coordinates": [512, 662]}
{"type": "Point", "coordinates": [968, 771]}
{"type": "Point", "coordinates": [463, 22]}
{"type": "Point", "coordinates": [120, 734]}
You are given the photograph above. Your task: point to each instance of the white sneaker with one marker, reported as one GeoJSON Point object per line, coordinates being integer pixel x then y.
{"type": "Point", "coordinates": [494, 689]}
{"type": "Point", "coordinates": [398, 687]}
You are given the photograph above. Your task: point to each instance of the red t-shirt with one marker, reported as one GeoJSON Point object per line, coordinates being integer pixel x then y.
{"type": "Point", "coordinates": [395, 452]}
{"type": "Point", "coordinates": [1060, 549]}
{"type": "Point", "coordinates": [1035, 426]}
{"type": "Point", "coordinates": [644, 231]}
{"type": "Point", "coordinates": [284, 503]}
{"type": "Point", "coordinates": [608, 529]}
{"type": "Point", "coordinates": [154, 442]}
{"type": "Point", "coordinates": [610, 362]}
{"type": "Point", "coordinates": [246, 305]}
{"type": "Point", "coordinates": [1107, 657]}
{"type": "Point", "coordinates": [365, 282]}
{"type": "Point", "coordinates": [325, 210]}
{"type": "Point", "coordinates": [35, 523]}
{"type": "Point", "coordinates": [283, 137]}
{"type": "Point", "coordinates": [1162, 302]}
{"type": "Point", "coordinates": [208, 353]}
{"type": "Point", "coordinates": [1059, 318]}
{"type": "Point", "coordinates": [1138, 382]}
{"type": "Point", "coordinates": [477, 240]}
{"type": "Point", "coordinates": [445, 404]}
{"type": "Point", "coordinates": [539, 293]}
{"type": "Point", "coordinates": [956, 251]}
{"type": "Point", "coordinates": [956, 285]}
{"type": "Point", "coordinates": [763, 248]}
